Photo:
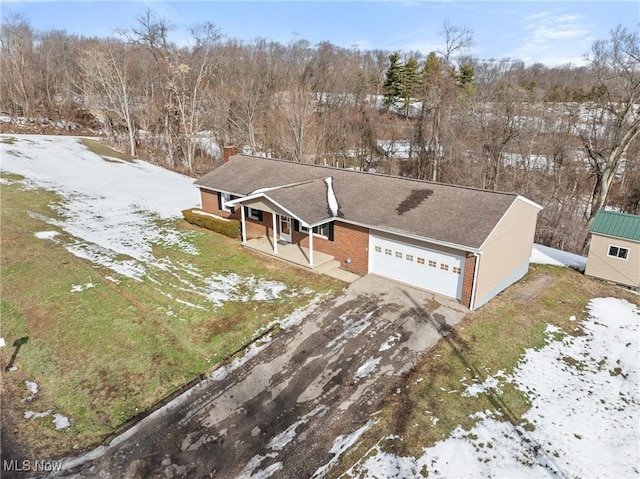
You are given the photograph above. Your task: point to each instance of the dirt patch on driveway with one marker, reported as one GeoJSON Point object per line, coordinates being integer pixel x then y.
{"type": "Point", "coordinates": [291, 408]}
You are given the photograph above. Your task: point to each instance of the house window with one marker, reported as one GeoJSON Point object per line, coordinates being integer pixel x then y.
{"type": "Point", "coordinates": [254, 214]}
{"type": "Point", "coordinates": [618, 252]}
{"type": "Point", "coordinates": [444, 267]}
{"type": "Point", "coordinates": [456, 270]}
{"type": "Point", "coordinates": [432, 264]}
{"type": "Point", "coordinates": [409, 257]}
{"type": "Point", "coordinates": [398, 254]}
{"type": "Point", "coordinates": [420, 260]}
{"type": "Point", "coordinates": [224, 197]}
{"type": "Point", "coordinates": [387, 251]}
{"type": "Point", "coordinates": [321, 230]}
{"type": "Point", "coordinates": [378, 249]}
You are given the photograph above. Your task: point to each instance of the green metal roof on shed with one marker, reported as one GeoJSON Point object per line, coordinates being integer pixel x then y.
{"type": "Point", "coordinates": [619, 225]}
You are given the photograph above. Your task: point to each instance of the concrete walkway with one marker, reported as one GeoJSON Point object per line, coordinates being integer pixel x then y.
{"type": "Point", "coordinates": [298, 255]}
{"type": "Point", "coordinates": [281, 410]}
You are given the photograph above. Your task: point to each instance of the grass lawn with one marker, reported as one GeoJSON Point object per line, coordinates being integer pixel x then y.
{"type": "Point", "coordinates": [106, 152]}
{"type": "Point", "coordinates": [492, 339]}
{"type": "Point", "coordinates": [103, 349]}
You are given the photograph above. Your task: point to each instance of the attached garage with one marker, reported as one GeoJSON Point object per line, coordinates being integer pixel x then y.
{"type": "Point", "coordinates": [436, 271]}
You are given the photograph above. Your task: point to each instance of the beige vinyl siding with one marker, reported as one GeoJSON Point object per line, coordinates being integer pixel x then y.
{"type": "Point", "coordinates": [618, 270]}
{"type": "Point", "coordinates": [506, 252]}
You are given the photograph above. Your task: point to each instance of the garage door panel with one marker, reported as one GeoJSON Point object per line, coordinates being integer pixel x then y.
{"type": "Point", "coordinates": [427, 269]}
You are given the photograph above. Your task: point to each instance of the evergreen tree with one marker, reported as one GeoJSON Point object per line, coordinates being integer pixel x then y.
{"type": "Point", "coordinates": [432, 70]}
{"type": "Point", "coordinates": [393, 81]}
{"type": "Point", "coordinates": [465, 78]}
{"type": "Point", "coordinates": [409, 84]}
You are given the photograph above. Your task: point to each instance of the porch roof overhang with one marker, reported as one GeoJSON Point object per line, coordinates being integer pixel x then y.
{"type": "Point", "coordinates": [306, 202]}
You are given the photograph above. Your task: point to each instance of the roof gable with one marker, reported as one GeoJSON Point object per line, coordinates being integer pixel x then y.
{"type": "Point", "coordinates": [315, 206]}
{"type": "Point", "coordinates": [445, 213]}
{"type": "Point", "coordinates": [619, 225]}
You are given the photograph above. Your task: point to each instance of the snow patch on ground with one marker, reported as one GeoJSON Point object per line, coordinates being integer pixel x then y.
{"type": "Point", "coordinates": [352, 328]}
{"type": "Point", "coordinates": [389, 342]}
{"type": "Point", "coordinates": [78, 288]}
{"type": "Point", "coordinates": [46, 234]}
{"type": "Point", "coordinates": [31, 386]}
{"type": "Point", "coordinates": [585, 405]}
{"type": "Point", "coordinates": [483, 387]}
{"type": "Point", "coordinates": [112, 214]}
{"type": "Point", "coordinates": [545, 255]}
{"type": "Point", "coordinates": [278, 442]}
{"type": "Point", "coordinates": [35, 415]}
{"type": "Point", "coordinates": [59, 420]}
{"type": "Point", "coordinates": [367, 368]}
{"type": "Point", "coordinates": [340, 445]}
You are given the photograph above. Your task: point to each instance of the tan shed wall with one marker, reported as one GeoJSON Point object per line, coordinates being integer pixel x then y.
{"type": "Point", "coordinates": [618, 270]}
{"type": "Point", "coordinates": [506, 253]}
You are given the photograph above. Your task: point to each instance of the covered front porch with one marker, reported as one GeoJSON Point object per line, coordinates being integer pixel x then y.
{"type": "Point", "coordinates": [290, 252]}
{"type": "Point", "coordinates": [298, 255]}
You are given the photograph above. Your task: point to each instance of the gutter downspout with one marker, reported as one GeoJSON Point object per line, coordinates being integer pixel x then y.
{"type": "Point", "coordinates": [244, 226]}
{"type": "Point", "coordinates": [475, 281]}
{"type": "Point", "coordinates": [275, 233]}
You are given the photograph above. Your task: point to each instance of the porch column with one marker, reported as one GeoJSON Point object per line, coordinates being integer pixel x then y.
{"type": "Point", "coordinates": [310, 247]}
{"type": "Point", "coordinates": [275, 233]}
{"type": "Point", "coordinates": [244, 225]}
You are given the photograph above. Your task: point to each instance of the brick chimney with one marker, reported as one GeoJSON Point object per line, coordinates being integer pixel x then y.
{"type": "Point", "coordinates": [228, 152]}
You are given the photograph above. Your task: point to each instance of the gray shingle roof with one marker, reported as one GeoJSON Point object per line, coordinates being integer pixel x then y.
{"type": "Point", "coordinates": [451, 214]}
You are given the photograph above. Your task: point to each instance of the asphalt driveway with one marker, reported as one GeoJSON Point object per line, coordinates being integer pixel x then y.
{"type": "Point", "coordinates": [291, 408]}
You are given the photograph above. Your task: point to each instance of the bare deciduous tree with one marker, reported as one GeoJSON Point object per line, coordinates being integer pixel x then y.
{"type": "Point", "coordinates": [609, 124]}
{"type": "Point", "coordinates": [18, 65]}
{"type": "Point", "coordinates": [106, 82]}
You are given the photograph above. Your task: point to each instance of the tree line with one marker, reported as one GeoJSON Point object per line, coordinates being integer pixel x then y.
{"type": "Point", "coordinates": [565, 137]}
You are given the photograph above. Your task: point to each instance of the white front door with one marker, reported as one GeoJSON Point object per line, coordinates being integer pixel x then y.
{"type": "Point", "coordinates": [285, 229]}
{"type": "Point", "coordinates": [433, 270]}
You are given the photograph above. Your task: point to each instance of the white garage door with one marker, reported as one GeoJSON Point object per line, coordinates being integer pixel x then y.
{"type": "Point", "coordinates": [435, 271]}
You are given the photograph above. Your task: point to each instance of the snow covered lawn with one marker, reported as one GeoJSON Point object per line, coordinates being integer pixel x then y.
{"type": "Point", "coordinates": [544, 255]}
{"type": "Point", "coordinates": [114, 212]}
{"type": "Point", "coordinates": [585, 412]}
{"type": "Point", "coordinates": [120, 302]}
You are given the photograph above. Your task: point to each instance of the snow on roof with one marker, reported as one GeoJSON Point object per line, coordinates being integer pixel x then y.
{"type": "Point", "coordinates": [331, 196]}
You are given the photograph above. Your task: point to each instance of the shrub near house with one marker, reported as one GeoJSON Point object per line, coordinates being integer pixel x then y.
{"type": "Point", "coordinates": [226, 226]}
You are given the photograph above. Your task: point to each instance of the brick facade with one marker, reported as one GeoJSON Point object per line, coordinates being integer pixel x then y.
{"type": "Point", "coordinates": [349, 241]}
{"type": "Point", "coordinates": [209, 200]}
{"type": "Point", "coordinates": [255, 228]}
{"type": "Point", "coordinates": [467, 284]}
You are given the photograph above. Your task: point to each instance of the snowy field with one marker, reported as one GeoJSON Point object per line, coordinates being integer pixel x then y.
{"type": "Point", "coordinates": [112, 215]}
{"type": "Point", "coordinates": [586, 414]}
{"type": "Point", "coordinates": [545, 255]}
{"type": "Point", "coordinates": [585, 407]}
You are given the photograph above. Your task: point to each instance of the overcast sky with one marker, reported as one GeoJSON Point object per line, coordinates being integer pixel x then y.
{"type": "Point", "coordinates": [550, 32]}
